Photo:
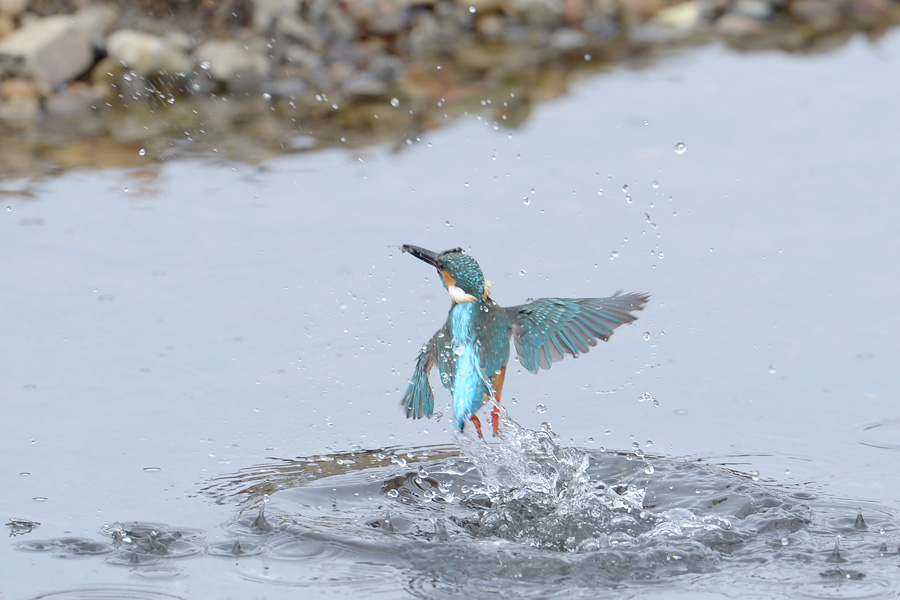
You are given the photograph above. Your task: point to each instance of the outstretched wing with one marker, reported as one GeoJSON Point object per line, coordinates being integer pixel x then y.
{"type": "Point", "coordinates": [547, 329]}
{"type": "Point", "coordinates": [418, 401]}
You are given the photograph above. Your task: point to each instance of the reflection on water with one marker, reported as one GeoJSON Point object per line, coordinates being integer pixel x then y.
{"type": "Point", "coordinates": [524, 515]}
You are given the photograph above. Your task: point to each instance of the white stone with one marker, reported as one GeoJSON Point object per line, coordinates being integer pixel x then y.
{"type": "Point", "coordinates": [266, 11]}
{"type": "Point", "coordinates": [148, 54]}
{"type": "Point", "coordinates": [53, 50]}
{"type": "Point", "coordinates": [231, 61]}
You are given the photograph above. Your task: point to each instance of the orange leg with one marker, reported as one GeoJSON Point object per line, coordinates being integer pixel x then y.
{"type": "Point", "coordinates": [477, 423]}
{"type": "Point", "coordinates": [497, 380]}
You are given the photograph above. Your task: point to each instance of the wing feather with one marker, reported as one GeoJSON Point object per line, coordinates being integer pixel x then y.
{"type": "Point", "coordinates": [418, 401]}
{"type": "Point", "coordinates": [546, 330]}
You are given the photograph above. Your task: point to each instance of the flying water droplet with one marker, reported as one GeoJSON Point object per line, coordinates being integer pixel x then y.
{"type": "Point", "coordinates": [142, 152]}
{"type": "Point", "coordinates": [646, 336]}
{"type": "Point", "coordinates": [526, 200]}
{"type": "Point", "coordinates": [395, 102]}
{"type": "Point", "coordinates": [614, 255]}
{"type": "Point", "coordinates": [772, 370]}
{"type": "Point", "coordinates": [680, 148]}
{"type": "Point", "coordinates": [540, 409]}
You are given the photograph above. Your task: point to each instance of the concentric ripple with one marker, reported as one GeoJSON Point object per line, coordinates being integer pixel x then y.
{"type": "Point", "coordinates": [522, 516]}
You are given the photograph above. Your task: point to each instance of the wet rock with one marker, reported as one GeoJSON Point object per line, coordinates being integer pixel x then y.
{"type": "Point", "coordinates": [822, 15]}
{"type": "Point", "coordinates": [868, 11]}
{"type": "Point", "coordinates": [731, 25]}
{"type": "Point", "coordinates": [77, 98]}
{"type": "Point", "coordinates": [536, 12]}
{"type": "Point", "coordinates": [567, 38]}
{"type": "Point", "coordinates": [148, 54]}
{"type": "Point", "coordinates": [96, 20]}
{"type": "Point", "coordinates": [19, 100]}
{"type": "Point", "coordinates": [52, 50]}
{"type": "Point", "coordinates": [232, 62]}
{"type": "Point", "coordinates": [13, 7]}
{"type": "Point", "coordinates": [331, 20]}
{"type": "Point", "coordinates": [683, 17]}
{"type": "Point", "coordinates": [755, 9]}
{"type": "Point", "coordinates": [299, 31]}
{"type": "Point", "coordinates": [266, 12]}
{"type": "Point", "coordinates": [491, 27]}
{"type": "Point", "coordinates": [481, 6]}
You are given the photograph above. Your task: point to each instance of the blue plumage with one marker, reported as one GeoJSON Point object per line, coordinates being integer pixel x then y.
{"type": "Point", "coordinates": [472, 348]}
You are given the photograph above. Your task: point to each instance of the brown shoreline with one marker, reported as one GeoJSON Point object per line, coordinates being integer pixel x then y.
{"type": "Point", "coordinates": [92, 84]}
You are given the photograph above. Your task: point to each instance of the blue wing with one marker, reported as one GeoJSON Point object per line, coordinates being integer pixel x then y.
{"type": "Point", "coordinates": [547, 329]}
{"type": "Point", "coordinates": [418, 401]}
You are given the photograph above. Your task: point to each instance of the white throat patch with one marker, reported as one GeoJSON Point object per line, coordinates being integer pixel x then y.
{"type": "Point", "coordinates": [458, 295]}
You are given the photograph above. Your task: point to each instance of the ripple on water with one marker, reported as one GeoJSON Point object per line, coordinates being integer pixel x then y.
{"type": "Point", "coordinates": [884, 434]}
{"type": "Point", "coordinates": [524, 517]}
{"type": "Point", "coordinates": [531, 517]}
{"type": "Point", "coordinates": [111, 592]}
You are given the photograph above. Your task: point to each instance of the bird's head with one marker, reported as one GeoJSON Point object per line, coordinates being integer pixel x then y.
{"type": "Point", "coordinates": [459, 272]}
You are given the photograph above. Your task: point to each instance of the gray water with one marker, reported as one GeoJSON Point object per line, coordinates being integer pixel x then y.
{"type": "Point", "coordinates": [180, 344]}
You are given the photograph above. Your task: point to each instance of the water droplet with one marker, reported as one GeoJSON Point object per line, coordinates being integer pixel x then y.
{"type": "Point", "coordinates": [472, 9]}
{"type": "Point", "coordinates": [646, 336]}
{"type": "Point", "coordinates": [395, 102]}
{"type": "Point", "coordinates": [142, 152]}
{"type": "Point", "coordinates": [540, 409]}
{"type": "Point", "coordinates": [680, 148]}
{"type": "Point", "coordinates": [648, 469]}
{"type": "Point", "coordinates": [614, 255]}
{"type": "Point", "coordinates": [655, 184]}
{"type": "Point", "coordinates": [628, 199]}
{"type": "Point", "coordinates": [587, 57]}
{"type": "Point", "coordinates": [522, 273]}
{"type": "Point", "coordinates": [772, 370]}
{"type": "Point", "coordinates": [625, 188]}
{"type": "Point", "coordinates": [152, 469]}
{"type": "Point", "coordinates": [526, 200]}
{"type": "Point", "coordinates": [267, 96]}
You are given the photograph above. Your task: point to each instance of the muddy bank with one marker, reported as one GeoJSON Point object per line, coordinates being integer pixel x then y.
{"type": "Point", "coordinates": [94, 84]}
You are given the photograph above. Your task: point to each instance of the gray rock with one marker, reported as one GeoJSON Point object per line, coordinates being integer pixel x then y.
{"type": "Point", "coordinates": [266, 12]}
{"type": "Point", "coordinates": [233, 63]}
{"type": "Point", "coordinates": [301, 32]}
{"type": "Point", "coordinates": [755, 9]}
{"type": "Point", "coordinates": [52, 50]}
{"type": "Point", "coordinates": [96, 20]}
{"type": "Point", "coordinates": [536, 12]}
{"type": "Point", "coordinates": [148, 54]}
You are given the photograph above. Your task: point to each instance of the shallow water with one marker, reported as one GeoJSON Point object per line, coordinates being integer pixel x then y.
{"type": "Point", "coordinates": [166, 331]}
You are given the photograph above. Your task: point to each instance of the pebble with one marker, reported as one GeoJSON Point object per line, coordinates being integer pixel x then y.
{"type": "Point", "coordinates": [147, 54]}
{"type": "Point", "coordinates": [298, 49]}
{"type": "Point", "coordinates": [51, 50]}
{"type": "Point", "coordinates": [232, 62]}
{"type": "Point", "coordinates": [736, 26]}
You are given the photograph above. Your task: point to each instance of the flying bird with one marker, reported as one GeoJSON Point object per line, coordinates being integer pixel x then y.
{"type": "Point", "coordinates": [472, 348]}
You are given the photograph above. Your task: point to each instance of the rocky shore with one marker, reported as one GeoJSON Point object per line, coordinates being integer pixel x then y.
{"type": "Point", "coordinates": [273, 73]}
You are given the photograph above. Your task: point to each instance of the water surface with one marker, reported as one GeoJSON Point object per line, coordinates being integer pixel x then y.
{"type": "Point", "coordinates": [165, 330]}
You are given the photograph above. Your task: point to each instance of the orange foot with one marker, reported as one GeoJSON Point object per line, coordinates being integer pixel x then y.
{"type": "Point", "coordinates": [495, 419]}
{"type": "Point", "coordinates": [477, 423]}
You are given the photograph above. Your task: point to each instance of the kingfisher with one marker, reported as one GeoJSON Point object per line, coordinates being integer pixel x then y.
{"type": "Point", "coordinates": [472, 348]}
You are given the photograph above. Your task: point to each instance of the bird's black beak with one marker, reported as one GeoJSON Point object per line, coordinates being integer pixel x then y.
{"type": "Point", "coordinates": [422, 254]}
